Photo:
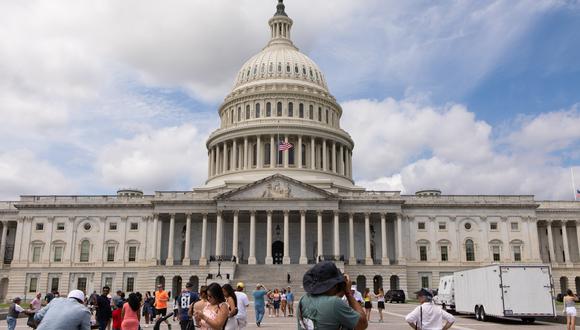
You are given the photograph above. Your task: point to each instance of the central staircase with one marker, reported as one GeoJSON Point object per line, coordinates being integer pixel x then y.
{"type": "Point", "coordinates": [271, 276]}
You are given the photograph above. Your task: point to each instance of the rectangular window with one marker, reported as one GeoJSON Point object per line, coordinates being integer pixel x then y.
{"type": "Point", "coordinates": [40, 226]}
{"type": "Point", "coordinates": [311, 113]}
{"type": "Point", "coordinates": [442, 226]}
{"type": "Point", "coordinates": [36, 253]}
{"type": "Point", "coordinates": [319, 114]}
{"type": "Point", "coordinates": [112, 226]}
{"type": "Point", "coordinates": [33, 284]}
{"type": "Point", "coordinates": [423, 253]}
{"type": "Point", "coordinates": [134, 226]}
{"type": "Point", "coordinates": [82, 284]}
{"type": "Point", "coordinates": [109, 282]}
{"type": "Point", "coordinates": [130, 284]}
{"type": "Point", "coordinates": [110, 253]}
{"type": "Point", "coordinates": [517, 253]}
{"type": "Point", "coordinates": [493, 226]}
{"type": "Point", "coordinates": [444, 253]}
{"type": "Point", "coordinates": [514, 226]}
{"type": "Point", "coordinates": [58, 253]}
{"type": "Point", "coordinates": [60, 226]}
{"type": "Point", "coordinates": [495, 253]}
{"type": "Point", "coordinates": [54, 284]}
{"type": "Point", "coordinates": [132, 253]}
{"type": "Point", "coordinates": [425, 281]}
{"type": "Point", "coordinates": [421, 225]}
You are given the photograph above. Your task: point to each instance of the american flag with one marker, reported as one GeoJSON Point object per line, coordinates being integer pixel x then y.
{"type": "Point", "coordinates": [283, 146]}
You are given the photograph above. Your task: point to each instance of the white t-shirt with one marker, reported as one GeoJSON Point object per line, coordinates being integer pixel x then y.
{"type": "Point", "coordinates": [243, 302]}
{"type": "Point", "coordinates": [429, 316]}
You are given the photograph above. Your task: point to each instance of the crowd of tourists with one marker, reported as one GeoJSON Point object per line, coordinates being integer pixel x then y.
{"type": "Point", "coordinates": [331, 302]}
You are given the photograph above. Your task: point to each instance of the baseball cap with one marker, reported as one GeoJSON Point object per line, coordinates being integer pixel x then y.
{"type": "Point", "coordinates": [77, 294]}
{"type": "Point", "coordinates": [240, 285]}
{"type": "Point", "coordinates": [322, 277]}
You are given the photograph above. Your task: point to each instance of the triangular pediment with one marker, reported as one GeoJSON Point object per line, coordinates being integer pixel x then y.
{"type": "Point", "coordinates": [277, 187]}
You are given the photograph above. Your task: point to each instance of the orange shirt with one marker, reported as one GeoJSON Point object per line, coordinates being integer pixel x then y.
{"type": "Point", "coordinates": [161, 299]}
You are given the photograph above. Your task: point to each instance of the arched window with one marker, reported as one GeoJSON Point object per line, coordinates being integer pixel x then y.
{"type": "Point", "coordinates": [268, 109]}
{"type": "Point", "coordinates": [290, 109]}
{"type": "Point", "coordinates": [361, 283]}
{"type": "Point", "coordinates": [195, 281]}
{"type": "Point", "coordinates": [394, 282]}
{"type": "Point", "coordinates": [85, 248]}
{"type": "Point", "coordinates": [247, 112]}
{"type": "Point", "coordinates": [239, 114]}
{"type": "Point", "coordinates": [257, 110]}
{"type": "Point", "coordinates": [279, 109]}
{"type": "Point", "coordinates": [311, 112]}
{"type": "Point", "coordinates": [160, 280]}
{"type": "Point", "coordinates": [326, 116]}
{"type": "Point", "coordinates": [469, 250]}
{"type": "Point", "coordinates": [301, 110]}
{"type": "Point", "coordinates": [267, 154]}
{"type": "Point", "coordinates": [563, 284]}
{"type": "Point", "coordinates": [303, 154]}
{"type": "Point", "coordinates": [176, 285]}
{"type": "Point", "coordinates": [279, 67]}
{"type": "Point", "coordinates": [319, 114]}
{"type": "Point", "coordinates": [377, 283]}
{"type": "Point", "coordinates": [291, 156]}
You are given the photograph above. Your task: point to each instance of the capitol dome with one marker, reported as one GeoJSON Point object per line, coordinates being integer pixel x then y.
{"type": "Point", "coordinates": [280, 118]}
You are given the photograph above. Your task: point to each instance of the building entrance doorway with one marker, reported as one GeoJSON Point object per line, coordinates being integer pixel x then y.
{"type": "Point", "coordinates": [277, 252]}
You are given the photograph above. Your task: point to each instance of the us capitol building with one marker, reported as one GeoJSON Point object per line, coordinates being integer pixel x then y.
{"type": "Point", "coordinates": [266, 214]}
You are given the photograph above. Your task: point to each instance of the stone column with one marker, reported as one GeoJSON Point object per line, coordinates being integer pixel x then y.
{"type": "Point", "coordinates": [312, 154]}
{"type": "Point", "coordinates": [341, 160]}
{"type": "Point", "coordinates": [285, 154]}
{"type": "Point", "coordinates": [324, 157]}
{"type": "Point", "coordinates": [565, 246]}
{"type": "Point", "coordinates": [209, 164]}
{"type": "Point", "coordinates": [299, 151]}
{"type": "Point", "coordinates": [3, 242]}
{"type": "Point", "coordinates": [218, 161]}
{"type": "Point", "coordinates": [225, 162]}
{"type": "Point", "coordinates": [234, 165]}
{"type": "Point", "coordinates": [202, 256]}
{"type": "Point", "coordinates": [252, 256]}
{"type": "Point", "coordinates": [186, 258]}
{"type": "Point", "coordinates": [246, 163]}
{"type": "Point", "coordinates": [171, 242]}
{"type": "Point", "coordinates": [336, 234]}
{"type": "Point", "coordinates": [319, 232]}
{"type": "Point", "coordinates": [286, 258]}
{"type": "Point", "coordinates": [552, 255]}
{"type": "Point", "coordinates": [219, 234]}
{"type": "Point", "coordinates": [303, 258]}
{"type": "Point", "coordinates": [385, 259]}
{"type": "Point", "coordinates": [351, 255]}
{"type": "Point", "coordinates": [400, 256]}
{"type": "Point", "coordinates": [368, 257]}
{"type": "Point", "coordinates": [259, 160]}
{"type": "Point", "coordinates": [334, 157]}
{"type": "Point", "coordinates": [158, 229]}
{"type": "Point", "coordinates": [212, 162]}
{"type": "Point", "coordinates": [235, 237]}
{"type": "Point", "coordinates": [269, 259]}
{"type": "Point", "coordinates": [272, 152]}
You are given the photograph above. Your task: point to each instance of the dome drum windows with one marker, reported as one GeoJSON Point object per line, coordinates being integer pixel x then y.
{"type": "Point", "coordinates": [268, 109]}
{"type": "Point", "coordinates": [247, 112]}
{"type": "Point", "coordinates": [279, 109]}
{"type": "Point", "coordinates": [301, 110]}
{"type": "Point", "coordinates": [257, 110]}
{"type": "Point", "coordinates": [290, 109]}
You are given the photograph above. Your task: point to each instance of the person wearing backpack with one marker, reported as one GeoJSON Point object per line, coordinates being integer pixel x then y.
{"type": "Point", "coordinates": [322, 307]}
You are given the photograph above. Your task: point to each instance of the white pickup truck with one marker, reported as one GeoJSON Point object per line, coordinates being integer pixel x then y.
{"type": "Point", "coordinates": [514, 291]}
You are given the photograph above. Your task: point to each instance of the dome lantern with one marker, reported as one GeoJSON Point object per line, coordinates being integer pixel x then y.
{"type": "Point", "coordinates": [280, 25]}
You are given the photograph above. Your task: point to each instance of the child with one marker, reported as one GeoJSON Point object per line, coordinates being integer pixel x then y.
{"type": "Point", "coordinates": [117, 320]}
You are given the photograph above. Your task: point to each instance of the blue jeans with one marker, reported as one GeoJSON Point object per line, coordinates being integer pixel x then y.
{"type": "Point", "coordinates": [260, 311]}
{"type": "Point", "coordinates": [102, 324]}
{"type": "Point", "coordinates": [11, 322]}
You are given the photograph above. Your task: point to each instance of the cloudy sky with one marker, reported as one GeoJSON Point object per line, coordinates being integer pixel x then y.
{"type": "Point", "coordinates": [471, 97]}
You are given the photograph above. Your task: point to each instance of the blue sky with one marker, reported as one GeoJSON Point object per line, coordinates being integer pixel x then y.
{"type": "Point", "coordinates": [468, 97]}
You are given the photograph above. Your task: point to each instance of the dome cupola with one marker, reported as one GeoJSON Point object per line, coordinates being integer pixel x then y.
{"type": "Point", "coordinates": [280, 118]}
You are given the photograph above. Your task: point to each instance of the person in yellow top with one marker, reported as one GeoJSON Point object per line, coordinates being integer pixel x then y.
{"type": "Point", "coordinates": [161, 299]}
{"type": "Point", "coordinates": [368, 303]}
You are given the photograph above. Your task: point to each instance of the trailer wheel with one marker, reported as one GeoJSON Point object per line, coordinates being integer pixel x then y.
{"type": "Point", "coordinates": [476, 311]}
{"type": "Point", "coordinates": [482, 316]}
{"type": "Point", "coordinates": [528, 320]}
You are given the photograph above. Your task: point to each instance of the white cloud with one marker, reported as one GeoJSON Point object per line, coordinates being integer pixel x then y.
{"type": "Point", "coordinates": [407, 146]}
{"type": "Point", "coordinates": [23, 172]}
{"type": "Point", "coordinates": [171, 158]}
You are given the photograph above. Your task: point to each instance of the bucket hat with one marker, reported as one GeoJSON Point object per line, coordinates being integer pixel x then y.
{"type": "Point", "coordinates": [322, 277]}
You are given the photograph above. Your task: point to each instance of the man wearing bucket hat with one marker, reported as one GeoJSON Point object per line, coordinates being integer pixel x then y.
{"type": "Point", "coordinates": [322, 306]}
{"type": "Point", "coordinates": [65, 313]}
{"type": "Point", "coordinates": [427, 315]}
{"type": "Point", "coordinates": [243, 304]}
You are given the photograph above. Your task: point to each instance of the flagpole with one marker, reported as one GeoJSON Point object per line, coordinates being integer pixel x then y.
{"type": "Point", "coordinates": [573, 184]}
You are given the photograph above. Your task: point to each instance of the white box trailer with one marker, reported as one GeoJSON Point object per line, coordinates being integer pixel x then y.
{"type": "Point", "coordinates": [515, 291]}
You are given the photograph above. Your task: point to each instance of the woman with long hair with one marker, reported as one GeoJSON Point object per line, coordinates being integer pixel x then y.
{"type": "Point", "coordinates": [570, 309]}
{"type": "Point", "coordinates": [148, 307]}
{"type": "Point", "coordinates": [232, 302]}
{"type": "Point", "coordinates": [368, 303]}
{"type": "Point", "coordinates": [381, 303]}
{"type": "Point", "coordinates": [200, 304]}
{"type": "Point", "coordinates": [215, 314]}
{"type": "Point", "coordinates": [130, 313]}
{"type": "Point", "coordinates": [276, 300]}
{"type": "Point", "coordinates": [283, 302]}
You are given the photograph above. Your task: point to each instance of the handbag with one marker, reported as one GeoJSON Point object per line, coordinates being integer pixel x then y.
{"type": "Point", "coordinates": [31, 322]}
